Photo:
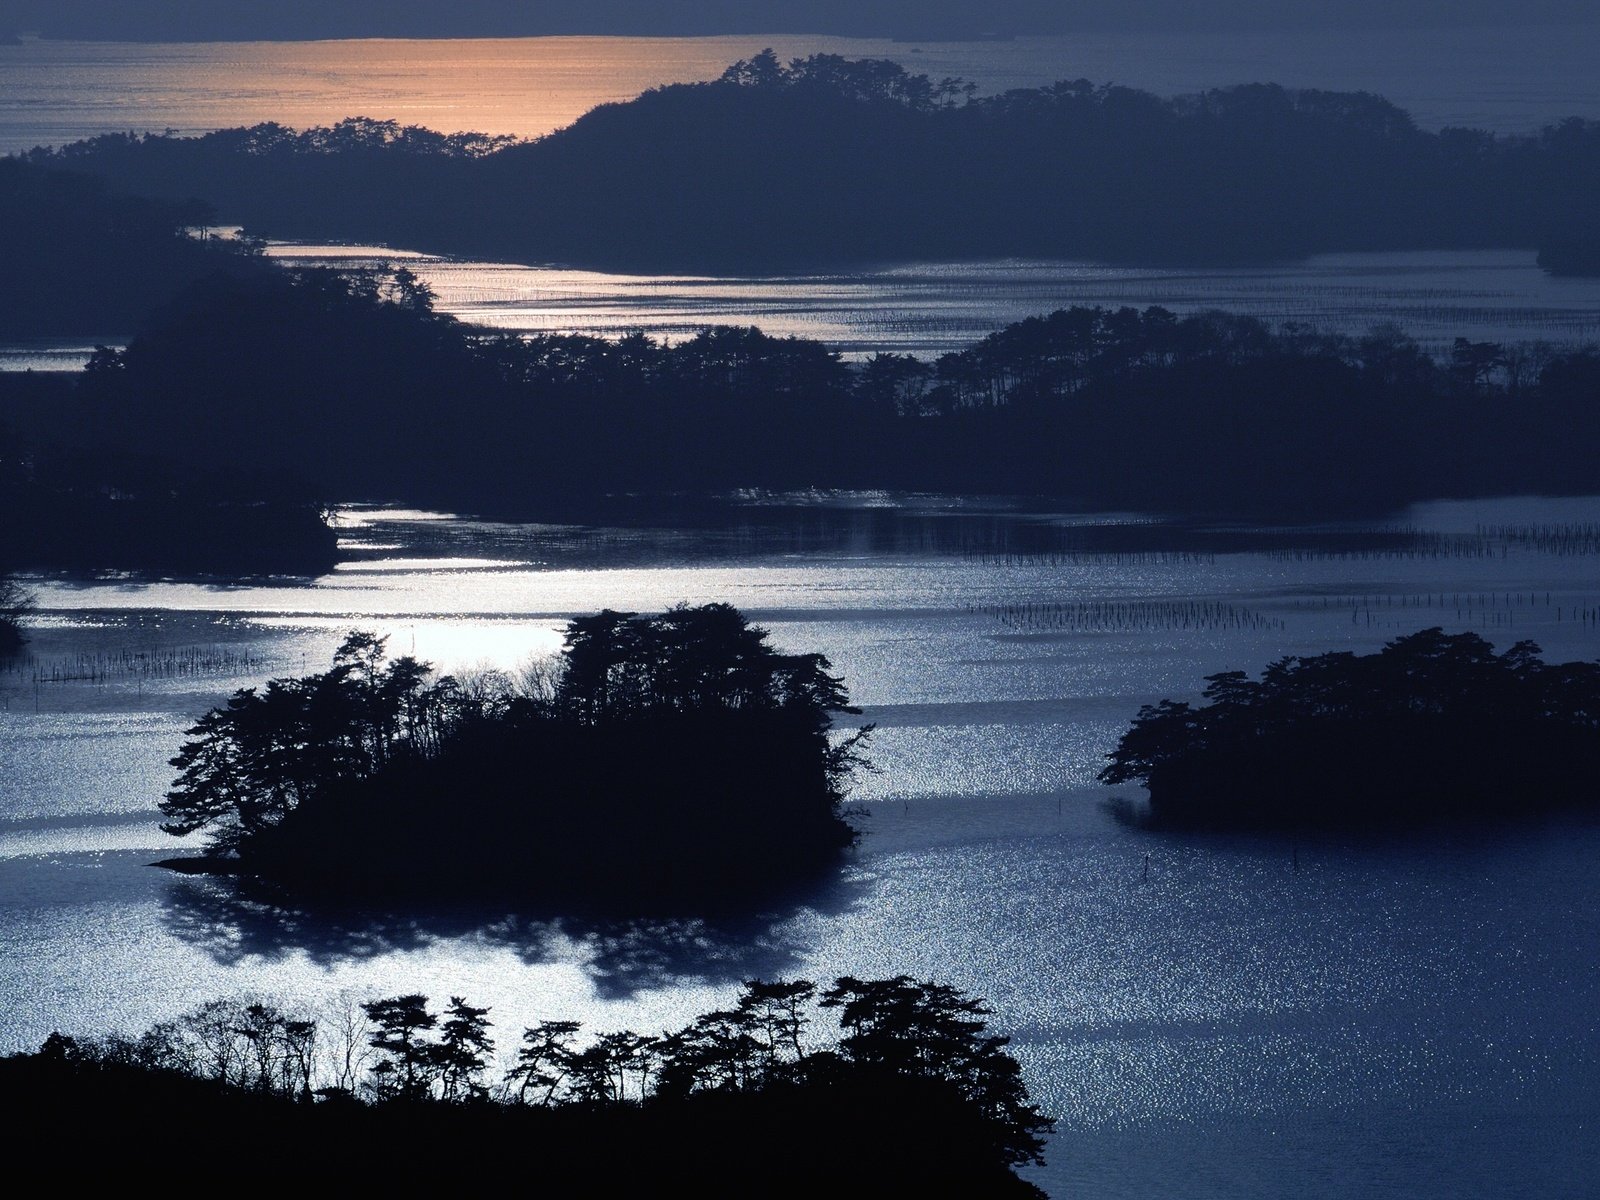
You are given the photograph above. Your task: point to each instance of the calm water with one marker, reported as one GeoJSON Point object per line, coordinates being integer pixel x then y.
{"type": "Point", "coordinates": [56, 92]}
{"type": "Point", "coordinates": [929, 309]}
{"type": "Point", "coordinates": [1398, 1019]}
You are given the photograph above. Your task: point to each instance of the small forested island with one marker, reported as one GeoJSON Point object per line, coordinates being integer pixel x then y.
{"type": "Point", "coordinates": [905, 1093]}
{"type": "Point", "coordinates": [668, 759]}
{"type": "Point", "coordinates": [1434, 726]}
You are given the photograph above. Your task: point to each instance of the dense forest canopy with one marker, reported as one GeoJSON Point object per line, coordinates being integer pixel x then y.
{"type": "Point", "coordinates": [660, 757]}
{"type": "Point", "coordinates": [825, 160]}
{"type": "Point", "coordinates": [1433, 726]}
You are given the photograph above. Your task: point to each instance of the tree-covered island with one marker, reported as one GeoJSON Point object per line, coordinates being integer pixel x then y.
{"type": "Point", "coordinates": [1433, 726]}
{"type": "Point", "coordinates": [670, 758]}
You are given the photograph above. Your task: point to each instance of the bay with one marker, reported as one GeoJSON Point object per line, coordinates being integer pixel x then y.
{"type": "Point", "coordinates": [1413, 1017]}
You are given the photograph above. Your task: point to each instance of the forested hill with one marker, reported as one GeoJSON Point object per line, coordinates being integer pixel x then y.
{"type": "Point", "coordinates": [826, 161]}
{"type": "Point", "coordinates": [81, 259]}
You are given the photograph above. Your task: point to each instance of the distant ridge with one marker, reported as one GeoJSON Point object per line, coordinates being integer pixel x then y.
{"type": "Point", "coordinates": [825, 161]}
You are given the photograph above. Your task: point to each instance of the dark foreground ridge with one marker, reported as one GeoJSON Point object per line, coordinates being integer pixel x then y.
{"type": "Point", "coordinates": [825, 162]}
{"type": "Point", "coordinates": [1434, 726]}
{"type": "Point", "coordinates": [906, 1094]}
{"type": "Point", "coordinates": [664, 760]}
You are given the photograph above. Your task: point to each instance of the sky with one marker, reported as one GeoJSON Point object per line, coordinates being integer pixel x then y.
{"type": "Point", "coordinates": [199, 20]}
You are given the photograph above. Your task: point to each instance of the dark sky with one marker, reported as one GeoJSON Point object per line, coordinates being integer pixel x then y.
{"type": "Point", "coordinates": [167, 20]}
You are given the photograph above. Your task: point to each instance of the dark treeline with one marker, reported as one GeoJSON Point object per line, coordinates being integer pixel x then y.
{"type": "Point", "coordinates": [666, 759]}
{"type": "Point", "coordinates": [81, 260]}
{"type": "Point", "coordinates": [907, 1092]}
{"type": "Point", "coordinates": [356, 387]}
{"type": "Point", "coordinates": [15, 603]}
{"type": "Point", "coordinates": [73, 500]}
{"type": "Point", "coordinates": [831, 161]}
{"type": "Point", "coordinates": [1434, 726]}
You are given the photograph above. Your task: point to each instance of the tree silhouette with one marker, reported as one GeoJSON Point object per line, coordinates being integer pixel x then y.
{"type": "Point", "coordinates": [758, 1041]}
{"type": "Point", "coordinates": [689, 660]}
{"type": "Point", "coordinates": [1119, 407]}
{"type": "Point", "coordinates": [915, 1060]}
{"type": "Point", "coordinates": [1475, 362]}
{"type": "Point", "coordinates": [777, 1016]}
{"type": "Point", "coordinates": [463, 1052]}
{"type": "Point", "coordinates": [931, 1031]}
{"type": "Point", "coordinates": [246, 766]}
{"type": "Point", "coordinates": [411, 1062]}
{"type": "Point", "coordinates": [822, 160]}
{"type": "Point", "coordinates": [717, 1052]}
{"type": "Point", "coordinates": [614, 1069]}
{"type": "Point", "coordinates": [544, 1061]}
{"type": "Point", "coordinates": [16, 601]}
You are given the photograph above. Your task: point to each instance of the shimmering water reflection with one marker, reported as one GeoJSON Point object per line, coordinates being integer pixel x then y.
{"type": "Point", "coordinates": [1209, 1016]}
{"type": "Point", "coordinates": [931, 308]}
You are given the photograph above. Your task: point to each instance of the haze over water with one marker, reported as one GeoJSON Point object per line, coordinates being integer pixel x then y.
{"type": "Point", "coordinates": [929, 309]}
